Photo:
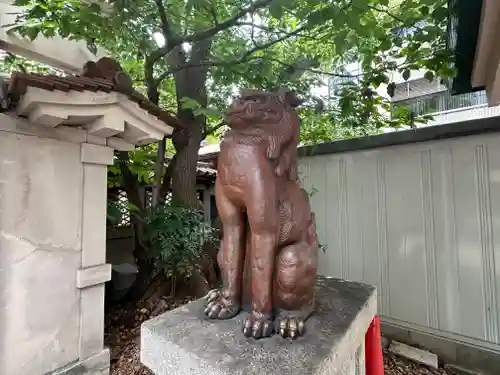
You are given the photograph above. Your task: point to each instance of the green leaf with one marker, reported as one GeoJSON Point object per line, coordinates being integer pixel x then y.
{"type": "Point", "coordinates": [352, 21]}
{"type": "Point", "coordinates": [406, 74]}
{"type": "Point", "coordinates": [340, 44]}
{"type": "Point", "coordinates": [276, 10]}
{"type": "Point", "coordinates": [385, 45]}
{"type": "Point", "coordinates": [95, 8]}
{"type": "Point", "coordinates": [360, 4]}
{"type": "Point", "coordinates": [37, 11]}
{"type": "Point", "coordinates": [188, 103]}
{"type": "Point", "coordinates": [322, 15]}
{"type": "Point", "coordinates": [440, 13]}
{"type": "Point", "coordinates": [424, 10]}
{"type": "Point", "coordinates": [391, 88]}
{"type": "Point", "coordinates": [132, 207]}
{"type": "Point", "coordinates": [209, 112]}
{"type": "Point", "coordinates": [429, 76]}
{"type": "Point", "coordinates": [32, 33]}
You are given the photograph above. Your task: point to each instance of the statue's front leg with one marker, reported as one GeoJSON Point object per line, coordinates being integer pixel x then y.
{"type": "Point", "coordinates": [226, 303]}
{"type": "Point", "coordinates": [264, 227]}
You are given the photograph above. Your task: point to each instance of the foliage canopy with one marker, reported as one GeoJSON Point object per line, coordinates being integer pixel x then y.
{"type": "Point", "coordinates": [192, 56]}
{"type": "Point", "coordinates": [262, 44]}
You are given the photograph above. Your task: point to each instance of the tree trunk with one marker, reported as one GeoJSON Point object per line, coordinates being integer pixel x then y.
{"type": "Point", "coordinates": [159, 172]}
{"type": "Point", "coordinates": [189, 83]}
{"type": "Point", "coordinates": [184, 170]}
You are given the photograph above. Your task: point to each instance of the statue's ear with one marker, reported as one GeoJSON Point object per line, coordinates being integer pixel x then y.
{"type": "Point", "coordinates": [292, 99]}
{"type": "Point", "coordinates": [248, 92]}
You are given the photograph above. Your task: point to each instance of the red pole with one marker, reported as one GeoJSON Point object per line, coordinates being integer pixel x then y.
{"type": "Point", "coordinates": [373, 349]}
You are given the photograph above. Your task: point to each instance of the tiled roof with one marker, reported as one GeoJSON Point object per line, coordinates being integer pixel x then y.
{"type": "Point", "coordinates": [117, 81]}
{"type": "Point", "coordinates": [205, 169]}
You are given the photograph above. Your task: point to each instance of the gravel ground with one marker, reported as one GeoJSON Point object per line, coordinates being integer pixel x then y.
{"type": "Point", "coordinates": [125, 342]}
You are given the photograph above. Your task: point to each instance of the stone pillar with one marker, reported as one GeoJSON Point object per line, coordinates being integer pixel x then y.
{"type": "Point", "coordinates": [53, 192]}
{"type": "Point", "coordinates": [94, 271]}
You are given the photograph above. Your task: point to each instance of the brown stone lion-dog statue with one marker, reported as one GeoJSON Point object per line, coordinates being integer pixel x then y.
{"type": "Point", "coordinates": [268, 256]}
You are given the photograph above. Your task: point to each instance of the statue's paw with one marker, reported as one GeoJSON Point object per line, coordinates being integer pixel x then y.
{"type": "Point", "coordinates": [258, 326]}
{"type": "Point", "coordinates": [219, 307]}
{"type": "Point", "coordinates": [290, 326]}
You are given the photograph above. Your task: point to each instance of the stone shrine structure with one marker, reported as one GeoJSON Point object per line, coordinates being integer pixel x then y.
{"type": "Point", "coordinates": [268, 262]}
{"type": "Point", "coordinates": [57, 137]}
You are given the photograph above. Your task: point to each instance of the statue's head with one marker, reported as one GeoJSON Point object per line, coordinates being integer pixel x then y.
{"type": "Point", "coordinates": [261, 107]}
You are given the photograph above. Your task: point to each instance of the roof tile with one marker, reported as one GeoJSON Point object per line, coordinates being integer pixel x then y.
{"type": "Point", "coordinates": [89, 81]}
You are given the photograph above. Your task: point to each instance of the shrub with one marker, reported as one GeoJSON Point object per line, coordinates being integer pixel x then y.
{"type": "Point", "coordinates": [177, 235]}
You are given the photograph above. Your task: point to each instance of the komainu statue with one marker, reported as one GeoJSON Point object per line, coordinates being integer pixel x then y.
{"type": "Point", "coordinates": [268, 255]}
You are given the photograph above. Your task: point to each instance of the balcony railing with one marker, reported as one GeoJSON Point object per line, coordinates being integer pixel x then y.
{"type": "Point", "coordinates": [442, 101]}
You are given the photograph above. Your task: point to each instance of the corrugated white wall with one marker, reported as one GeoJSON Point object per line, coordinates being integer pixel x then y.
{"type": "Point", "coordinates": [422, 223]}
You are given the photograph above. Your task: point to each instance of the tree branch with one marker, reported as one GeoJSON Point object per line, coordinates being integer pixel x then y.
{"type": "Point", "coordinates": [244, 58]}
{"type": "Point", "coordinates": [160, 161]}
{"type": "Point", "coordinates": [165, 25]}
{"type": "Point", "coordinates": [167, 178]}
{"type": "Point", "coordinates": [393, 16]}
{"type": "Point", "coordinates": [211, 9]}
{"type": "Point", "coordinates": [315, 71]}
{"type": "Point", "coordinates": [151, 83]}
{"type": "Point", "coordinates": [212, 129]}
{"type": "Point", "coordinates": [130, 181]}
{"type": "Point", "coordinates": [259, 4]}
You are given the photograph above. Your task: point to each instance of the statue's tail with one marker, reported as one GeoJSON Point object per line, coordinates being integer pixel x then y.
{"type": "Point", "coordinates": [312, 237]}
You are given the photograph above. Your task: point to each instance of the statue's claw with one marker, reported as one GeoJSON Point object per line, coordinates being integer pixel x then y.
{"type": "Point", "coordinates": [290, 325]}
{"type": "Point", "coordinates": [219, 307]}
{"type": "Point", "coordinates": [258, 326]}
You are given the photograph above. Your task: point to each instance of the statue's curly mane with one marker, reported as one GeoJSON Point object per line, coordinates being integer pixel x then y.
{"type": "Point", "coordinates": [270, 122]}
{"type": "Point", "coordinates": [263, 116]}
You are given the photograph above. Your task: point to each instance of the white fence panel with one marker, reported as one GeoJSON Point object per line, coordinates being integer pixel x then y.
{"type": "Point", "coordinates": [422, 223]}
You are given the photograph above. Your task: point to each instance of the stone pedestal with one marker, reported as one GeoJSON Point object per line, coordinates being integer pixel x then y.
{"type": "Point", "coordinates": [183, 342]}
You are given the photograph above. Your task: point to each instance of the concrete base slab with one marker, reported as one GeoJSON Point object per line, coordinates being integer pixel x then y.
{"type": "Point", "coordinates": [415, 354]}
{"type": "Point", "coordinates": [183, 341]}
{"type": "Point", "coordinates": [95, 365]}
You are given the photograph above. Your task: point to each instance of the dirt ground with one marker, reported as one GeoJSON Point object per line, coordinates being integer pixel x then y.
{"type": "Point", "coordinates": [124, 342]}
